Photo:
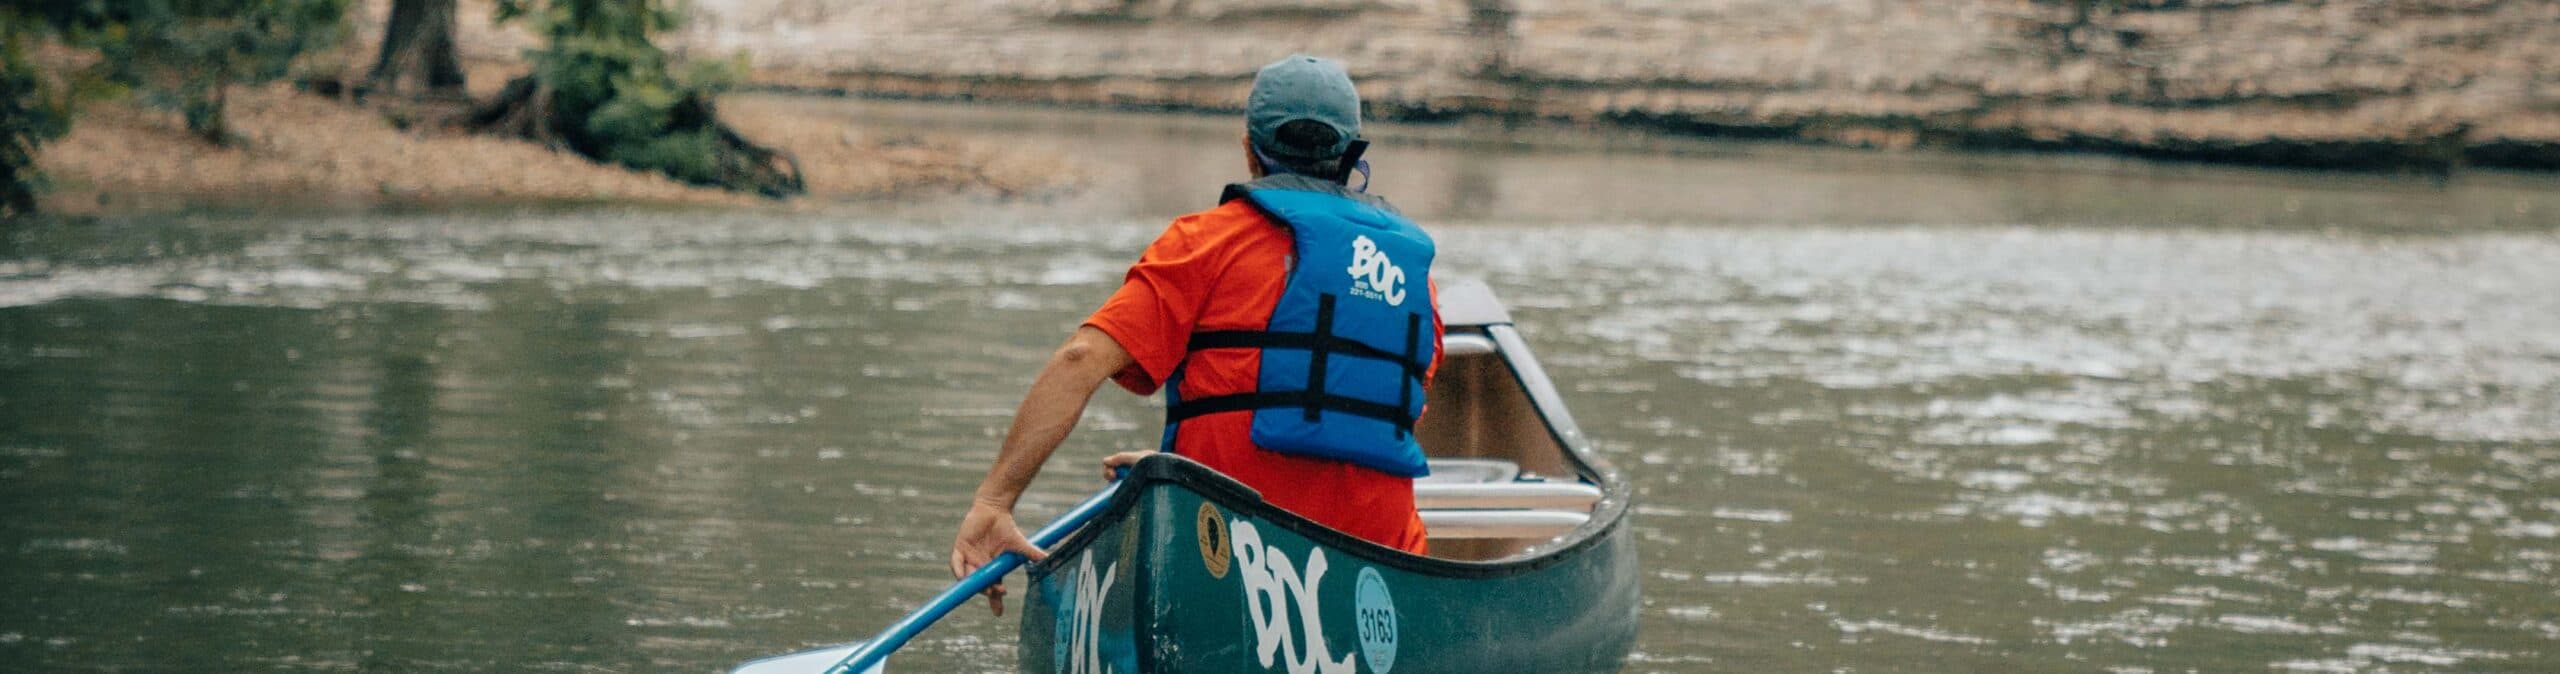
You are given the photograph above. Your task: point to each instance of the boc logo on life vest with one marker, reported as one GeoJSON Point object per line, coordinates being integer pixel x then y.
{"type": "Point", "coordinates": [1374, 276]}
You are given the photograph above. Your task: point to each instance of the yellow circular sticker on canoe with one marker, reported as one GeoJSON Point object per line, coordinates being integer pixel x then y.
{"type": "Point", "coordinates": [1213, 541]}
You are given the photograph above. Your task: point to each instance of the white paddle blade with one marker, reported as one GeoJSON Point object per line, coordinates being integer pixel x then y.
{"type": "Point", "coordinates": [806, 662]}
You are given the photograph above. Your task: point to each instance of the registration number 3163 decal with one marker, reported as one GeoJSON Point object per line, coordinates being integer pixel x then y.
{"type": "Point", "coordinates": [1377, 614]}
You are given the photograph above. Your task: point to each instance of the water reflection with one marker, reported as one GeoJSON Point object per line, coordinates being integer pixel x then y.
{"type": "Point", "coordinates": [562, 543]}
{"type": "Point", "coordinates": [1472, 193]}
{"type": "Point", "coordinates": [391, 574]}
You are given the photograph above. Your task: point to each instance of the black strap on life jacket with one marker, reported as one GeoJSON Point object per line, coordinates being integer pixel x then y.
{"type": "Point", "coordinates": [1320, 345]}
{"type": "Point", "coordinates": [1404, 394]}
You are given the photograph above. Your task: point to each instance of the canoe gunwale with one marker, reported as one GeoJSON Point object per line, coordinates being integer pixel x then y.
{"type": "Point", "coordinates": [1234, 496]}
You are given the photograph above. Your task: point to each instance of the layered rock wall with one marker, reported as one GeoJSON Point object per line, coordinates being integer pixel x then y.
{"type": "Point", "coordinates": [2334, 83]}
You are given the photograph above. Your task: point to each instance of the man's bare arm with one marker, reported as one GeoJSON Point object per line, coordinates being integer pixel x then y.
{"type": "Point", "coordinates": [1057, 399]}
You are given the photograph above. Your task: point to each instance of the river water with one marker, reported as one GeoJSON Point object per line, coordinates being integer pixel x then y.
{"type": "Point", "coordinates": [1885, 412]}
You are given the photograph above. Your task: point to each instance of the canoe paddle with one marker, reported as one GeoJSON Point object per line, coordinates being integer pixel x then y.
{"type": "Point", "coordinates": [869, 657]}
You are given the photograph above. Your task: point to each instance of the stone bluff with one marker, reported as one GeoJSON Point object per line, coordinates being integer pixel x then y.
{"type": "Point", "coordinates": [2425, 84]}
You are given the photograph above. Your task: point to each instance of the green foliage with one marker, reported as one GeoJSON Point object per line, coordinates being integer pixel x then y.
{"type": "Point", "coordinates": [32, 110]}
{"type": "Point", "coordinates": [179, 54]}
{"type": "Point", "coordinates": [618, 97]}
{"type": "Point", "coordinates": [182, 54]}
{"type": "Point", "coordinates": [615, 20]}
{"type": "Point", "coordinates": [690, 156]}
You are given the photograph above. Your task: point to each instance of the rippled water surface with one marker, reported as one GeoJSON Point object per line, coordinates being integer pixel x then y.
{"type": "Point", "coordinates": [1886, 413]}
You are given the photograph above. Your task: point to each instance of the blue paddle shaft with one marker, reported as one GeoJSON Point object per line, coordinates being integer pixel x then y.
{"type": "Point", "coordinates": [871, 653]}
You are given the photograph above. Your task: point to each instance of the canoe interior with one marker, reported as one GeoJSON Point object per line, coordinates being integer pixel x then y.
{"type": "Point", "coordinates": [1479, 409]}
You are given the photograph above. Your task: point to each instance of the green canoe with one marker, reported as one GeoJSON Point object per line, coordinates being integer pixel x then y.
{"type": "Point", "coordinates": [1532, 568]}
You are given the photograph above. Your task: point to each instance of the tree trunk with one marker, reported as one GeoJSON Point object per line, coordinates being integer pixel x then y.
{"type": "Point", "coordinates": [418, 50]}
{"type": "Point", "coordinates": [205, 109]}
{"type": "Point", "coordinates": [521, 110]}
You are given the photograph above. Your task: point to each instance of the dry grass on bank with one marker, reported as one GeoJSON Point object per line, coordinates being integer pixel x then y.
{"type": "Point", "coordinates": [300, 151]}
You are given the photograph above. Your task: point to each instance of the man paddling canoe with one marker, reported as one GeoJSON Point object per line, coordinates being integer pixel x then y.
{"type": "Point", "coordinates": [1293, 327]}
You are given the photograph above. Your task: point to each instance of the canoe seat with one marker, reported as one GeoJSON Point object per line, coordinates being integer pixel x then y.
{"type": "Point", "coordinates": [1485, 498]}
{"type": "Point", "coordinates": [1469, 471]}
{"type": "Point", "coordinates": [1565, 496]}
{"type": "Point", "coordinates": [1522, 524]}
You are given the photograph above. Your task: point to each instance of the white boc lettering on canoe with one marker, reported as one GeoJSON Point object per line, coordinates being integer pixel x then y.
{"type": "Point", "coordinates": [1084, 652]}
{"type": "Point", "coordinates": [1272, 586]}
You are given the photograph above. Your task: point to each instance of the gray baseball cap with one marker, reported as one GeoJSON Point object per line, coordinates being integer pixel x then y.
{"type": "Point", "coordinates": [1302, 87]}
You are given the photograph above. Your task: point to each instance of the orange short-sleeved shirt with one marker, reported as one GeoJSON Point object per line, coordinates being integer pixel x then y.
{"type": "Point", "coordinates": [1224, 269]}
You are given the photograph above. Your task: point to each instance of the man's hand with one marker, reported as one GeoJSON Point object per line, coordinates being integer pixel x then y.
{"type": "Point", "coordinates": [1057, 398]}
{"type": "Point", "coordinates": [988, 530]}
{"type": "Point", "coordinates": [1112, 464]}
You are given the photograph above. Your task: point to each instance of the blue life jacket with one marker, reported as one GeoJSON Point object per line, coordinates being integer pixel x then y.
{"type": "Point", "coordinates": [1350, 341]}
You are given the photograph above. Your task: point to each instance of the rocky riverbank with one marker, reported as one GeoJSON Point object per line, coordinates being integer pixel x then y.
{"type": "Point", "coordinates": [2381, 84]}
